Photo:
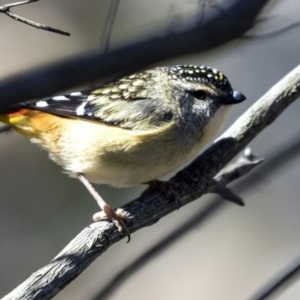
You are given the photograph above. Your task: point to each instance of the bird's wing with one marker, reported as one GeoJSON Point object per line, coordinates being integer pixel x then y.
{"type": "Point", "coordinates": [118, 104]}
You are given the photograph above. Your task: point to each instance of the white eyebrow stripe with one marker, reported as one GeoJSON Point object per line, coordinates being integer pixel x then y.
{"type": "Point", "coordinates": [41, 103]}
{"type": "Point", "coordinates": [59, 98]}
{"type": "Point", "coordinates": [80, 109]}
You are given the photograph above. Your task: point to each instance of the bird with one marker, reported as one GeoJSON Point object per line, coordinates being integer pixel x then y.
{"type": "Point", "coordinates": [131, 131]}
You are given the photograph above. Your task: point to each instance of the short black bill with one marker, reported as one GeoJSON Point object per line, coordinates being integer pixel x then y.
{"type": "Point", "coordinates": [234, 98]}
{"type": "Point", "coordinates": [238, 97]}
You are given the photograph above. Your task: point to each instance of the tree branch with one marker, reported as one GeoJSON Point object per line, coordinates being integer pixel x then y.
{"type": "Point", "coordinates": [274, 163]}
{"type": "Point", "coordinates": [5, 9]}
{"type": "Point", "coordinates": [244, 164]}
{"type": "Point", "coordinates": [193, 181]}
{"type": "Point", "coordinates": [58, 77]}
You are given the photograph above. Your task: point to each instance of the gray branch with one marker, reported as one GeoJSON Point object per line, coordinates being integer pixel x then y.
{"type": "Point", "coordinates": [5, 9]}
{"type": "Point", "coordinates": [193, 181]}
{"type": "Point", "coordinates": [244, 164]}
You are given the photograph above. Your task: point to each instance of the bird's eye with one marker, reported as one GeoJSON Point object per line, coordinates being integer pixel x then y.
{"type": "Point", "coordinates": [200, 95]}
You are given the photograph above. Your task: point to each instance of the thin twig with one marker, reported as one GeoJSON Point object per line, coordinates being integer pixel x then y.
{"type": "Point", "coordinates": [6, 10]}
{"type": "Point", "coordinates": [108, 26]}
{"type": "Point", "coordinates": [243, 165]}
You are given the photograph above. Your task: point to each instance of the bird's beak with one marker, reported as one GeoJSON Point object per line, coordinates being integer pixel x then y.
{"type": "Point", "coordinates": [235, 98]}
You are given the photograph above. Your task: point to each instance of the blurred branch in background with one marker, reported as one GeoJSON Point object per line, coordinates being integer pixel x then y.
{"type": "Point", "coordinates": [108, 25]}
{"type": "Point", "coordinates": [272, 33]}
{"type": "Point", "coordinates": [204, 4]}
{"type": "Point", "coordinates": [5, 9]}
{"type": "Point", "coordinates": [57, 77]}
{"type": "Point", "coordinates": [5, 128]}
{"type": "Point", "coordinates": [280, 283]}
{"type": "Point", "coordinates": [192, 182]}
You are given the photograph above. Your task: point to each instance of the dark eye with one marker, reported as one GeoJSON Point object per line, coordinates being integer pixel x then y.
{"type": "Point", "coordinates": [200, 95]}
{"type": "Point", "coordinates": [168, 115]}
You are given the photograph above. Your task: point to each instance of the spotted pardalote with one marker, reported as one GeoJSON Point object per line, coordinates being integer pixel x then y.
{"type": "Point", "coordinates": [130, 131]}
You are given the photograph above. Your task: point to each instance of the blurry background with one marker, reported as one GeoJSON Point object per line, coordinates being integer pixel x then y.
{"type": "Point", "coordinates": [230, 256]}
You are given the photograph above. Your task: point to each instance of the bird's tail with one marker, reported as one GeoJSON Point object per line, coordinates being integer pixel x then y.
{"type": "Point", "coordinates": [18, 119]}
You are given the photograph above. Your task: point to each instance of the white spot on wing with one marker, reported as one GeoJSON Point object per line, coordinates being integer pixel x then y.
{"type": "Point", "coordinates": [76, 94]}
{"type": "Point", "coordinates": [41, 103]}
{"type": "Point", "coordinates": [91, 97]}
{"type": "Point", "coordinates": [60, 98]}
{"type": "Point", "coordinates": [80, 109]}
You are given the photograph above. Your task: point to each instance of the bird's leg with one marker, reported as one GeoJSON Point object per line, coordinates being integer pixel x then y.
{"type": "Point", "coordinates": [166, 187]}
{"type": "Point", "coordinates": [117, 217]}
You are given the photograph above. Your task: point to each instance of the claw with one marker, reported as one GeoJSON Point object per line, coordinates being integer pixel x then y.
{"type": "Point", "coordinates": [117, 217]}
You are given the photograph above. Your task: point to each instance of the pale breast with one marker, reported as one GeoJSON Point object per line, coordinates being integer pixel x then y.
{"type": "Point", "coordinates": [119, 157]}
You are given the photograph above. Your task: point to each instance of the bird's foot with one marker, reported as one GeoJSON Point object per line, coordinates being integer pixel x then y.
{"type": "Point", "coordinates": [108, 213]}
{"type": "Point", "coordinates": [118, 217]}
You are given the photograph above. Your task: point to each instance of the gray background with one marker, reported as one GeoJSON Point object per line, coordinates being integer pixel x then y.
{"type": "Point", "coordinates": [41, 209]}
